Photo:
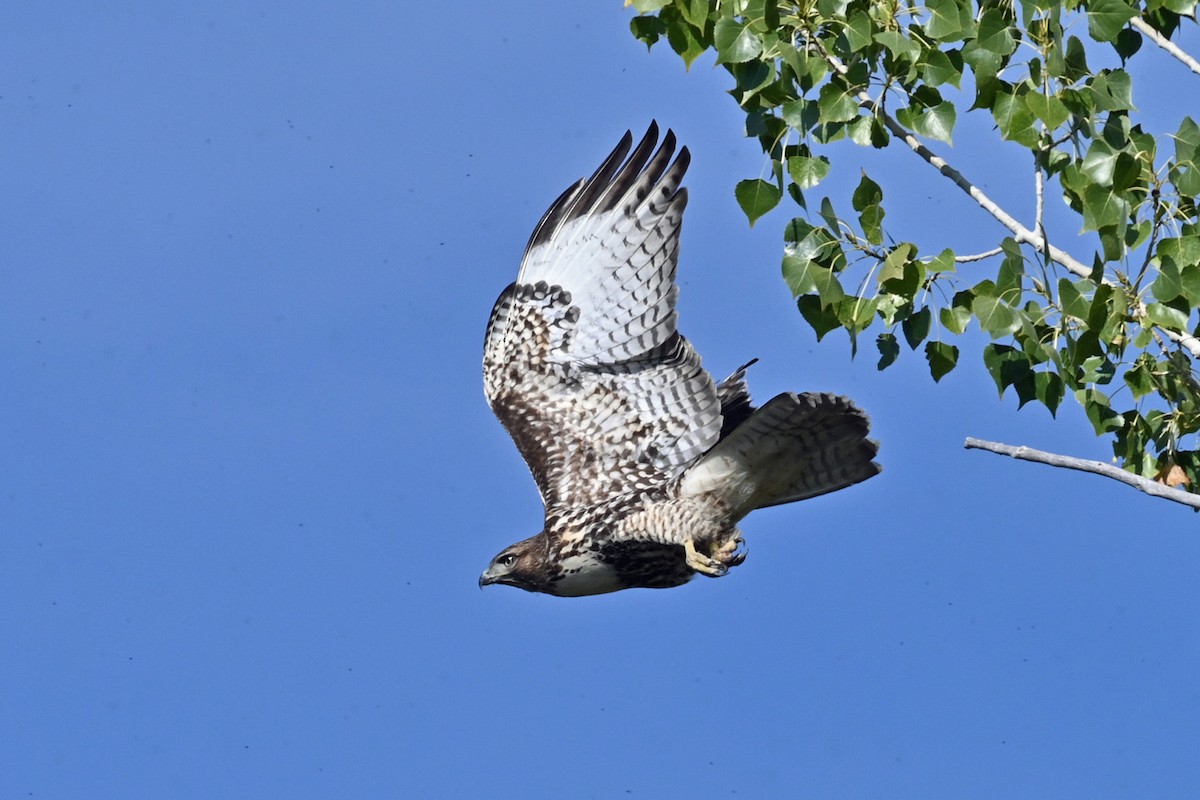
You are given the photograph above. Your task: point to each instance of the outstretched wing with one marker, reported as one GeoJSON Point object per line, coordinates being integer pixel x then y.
{"type": "Point", "coordinates": [582, 361]}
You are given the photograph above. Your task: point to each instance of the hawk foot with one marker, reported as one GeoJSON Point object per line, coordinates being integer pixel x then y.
{"type": "Point", "coordinates": [705, 565]}
{"type": "Point", "coordinates": [732, 552]}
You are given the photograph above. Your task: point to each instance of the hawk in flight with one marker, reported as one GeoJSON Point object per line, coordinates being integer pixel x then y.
{"type": "Point", "coordinates": [644, 464]}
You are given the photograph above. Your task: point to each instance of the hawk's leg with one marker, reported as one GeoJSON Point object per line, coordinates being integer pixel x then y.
{"type": "Point", "coordinates": [703, 564]}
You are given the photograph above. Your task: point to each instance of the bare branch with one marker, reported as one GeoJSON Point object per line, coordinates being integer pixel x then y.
{"type": "Point", "coordinates": [995, 251]}
{"type": "Point", "coordinates": [1096, 467]}
{"type": "Point", "coordinates": [1165, 44]}
{"type": "Point", "coordinates": [1040, 201]}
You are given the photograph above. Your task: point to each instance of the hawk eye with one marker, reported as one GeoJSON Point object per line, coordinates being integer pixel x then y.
{"type": "Point", "coordinates": [507, 560]}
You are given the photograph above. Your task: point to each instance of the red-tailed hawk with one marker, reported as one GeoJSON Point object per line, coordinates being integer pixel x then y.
{"type": "Point", "coordinates": [645, 466]}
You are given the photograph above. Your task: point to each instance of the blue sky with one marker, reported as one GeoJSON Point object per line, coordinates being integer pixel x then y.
{"type": "Point", "coordinates": [249, 478]}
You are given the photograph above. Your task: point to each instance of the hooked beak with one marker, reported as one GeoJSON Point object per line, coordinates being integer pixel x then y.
{"type": "Point", "coordinates": [486, 580]}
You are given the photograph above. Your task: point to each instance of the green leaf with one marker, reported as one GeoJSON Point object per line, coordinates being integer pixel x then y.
{"type": "Point", "coordinates": [936, 122]}
{"type": "Point", "coordinates": [938, 68]}
{"type": "Point", "coordinates": [866, 194]}
{"type": "Point", "coordinates": [916, 327]}
{"type": "Point", "coordinates": [756, 197]}
{"type": "Point", "coordinates": [801, 114]}
{"type": "Point", "coordinates": [1106, 18]}
{"type": "Point", "coordinates": [948, 20]}
{"type": "Point", "coordinates": [1166, 316]}
{"type": "Point", "coordinates": [647, 29]}
{"type": "Point", "coordinates": [996, 33]}
{"type": "Point", "coordinates": [1049, 389]}
{"type": "Point", "coordinates": [899, 45]}
{"type": "Point", "coordinates": [1007, 366]}
{"type": "Point", "coordinates": [1126, 173]}
{"type": "Point", "coordinates": [871, 220]}
{"type": "Point", "coordinates": [821, 318]}
{"type": "Point", "coordinates": [1099, 162]}
{"type": "Point", "coordinates": [866, 200]}
{"type": "Point", "coordinates": [806, 171]}
{"type": "Point", "coordinates": [1097, 369]}
{"type": "Point", "coordinates": [941, 357]}
{"type": "Point", "coordinates": [892, 273]}
{"type": "Point", "coordinates": [1075, 64]}
{"type": "Point", "coordinates": [1169, 283]}
{"type": "Point", "coordinates": [1099, 411]}
{"type": "Point", "coordinates": [995, 316]}
{"type": "Point", "coordinates": [955, 318]}
{"type": "Point", "coordinates": [866, 131]}
{"type": "Point", "coordinates": [1014, 119]}
{"type": "Point", "coordinates": [735, 42]}
{"type": "Point", "coordinates": [694, 11]}
{"type": "Point", "coordinates": [1140, 378]}
{"type": "Point", "coordinates": [942, 262]}
{"type": "Point", "coordinates": [1102, 208]}
{"type": "Point", "coordinates": [856, 313]}
{"type": "Point", "coordinates": [1190, 276]}
{"type": "Point", "coordinates": [1183, 250]}
{"type": "Point", "coordinates": [1112, 90]}
{"type": "Point", "coordinates": [1127, 43]}
{"type": "Point", "coordinates": [807, 275]}
{"type": "Point", "coordinates": [900, 274]}
{"type": "Point", "coordinates": [992, 45]}
{"type": "Point", "coordinates": [1048, 109]}
{"type": "Point", "coordinates": [797, 230]}
{"type": "Point", "coordinates": [647, 6]}
{"type": "Point", "coordinates": [889, 349]}
{"type": "Point", "coordinates": [836, 104]}
{"type": "Point", "coordinates": [682, 37]}
{"type": "Point", "coordinates": [1071, 300]}
{"type": "Point", "coordinates": [828, 214]}
{"type": "Point", "coordinates": [1187, 141]}
{"type": "Point", "coordinates": [858, 31]}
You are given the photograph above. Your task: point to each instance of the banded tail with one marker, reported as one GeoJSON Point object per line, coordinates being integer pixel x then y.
{"type": "Point", "coordinates": [795, 447]}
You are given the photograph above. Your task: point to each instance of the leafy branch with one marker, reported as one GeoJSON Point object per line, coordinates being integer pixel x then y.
{"type": "Point", "coordinates": [1118, 326]}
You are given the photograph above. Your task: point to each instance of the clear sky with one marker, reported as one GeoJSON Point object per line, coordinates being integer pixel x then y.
{"type": "Point", "coordinates": [248, 478]}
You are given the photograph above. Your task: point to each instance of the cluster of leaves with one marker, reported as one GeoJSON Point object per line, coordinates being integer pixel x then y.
{"type": "Point", "coordinates": [1116, 330]}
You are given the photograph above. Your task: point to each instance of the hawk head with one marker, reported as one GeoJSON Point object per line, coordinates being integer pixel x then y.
{"type": "Point", "coordinates": [522, 565]}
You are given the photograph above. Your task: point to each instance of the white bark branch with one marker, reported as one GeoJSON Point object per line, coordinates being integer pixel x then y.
{"type": "Point", "coordinates": [1165, 44]}
{"type": "Point", "coordinates": [1096, 467]}
{"type": "Point", "coordinates": [995, 251]}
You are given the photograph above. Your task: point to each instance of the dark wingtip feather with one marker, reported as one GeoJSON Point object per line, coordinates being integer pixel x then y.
{"type": "Point", "coordinates": [648, 162]}
{"type": "Point", "coordinates": [561, 210]}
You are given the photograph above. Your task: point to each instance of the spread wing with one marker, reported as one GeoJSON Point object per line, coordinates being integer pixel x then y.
{"type": "Point", "coordinates": [582, 361]}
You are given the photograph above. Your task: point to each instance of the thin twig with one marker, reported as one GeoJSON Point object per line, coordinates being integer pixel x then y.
{"type": "Point", "coordinates": [1097, 467]}
{"type": "Point", "coordinates": [1165, 44]}
{"type": "Point", "coordinates": [995, 251]}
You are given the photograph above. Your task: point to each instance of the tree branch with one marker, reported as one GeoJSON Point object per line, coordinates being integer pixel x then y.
{"type": "Point", "coordinates": [995, 251]}
{"type": "Point", "coordinates": [1022, 234]}
{"type": "Point", "coordinates": [1165, 44]}
{"type": "Point", "coordinates": [1019, 231]}
{"type": "Point", "coordinates": [1097, 467]}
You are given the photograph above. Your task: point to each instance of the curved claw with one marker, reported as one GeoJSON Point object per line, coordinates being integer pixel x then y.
{"type": "Point", "coordinates": [703, 564]}
{"type": "Point", "coordinates": [732, 552]}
